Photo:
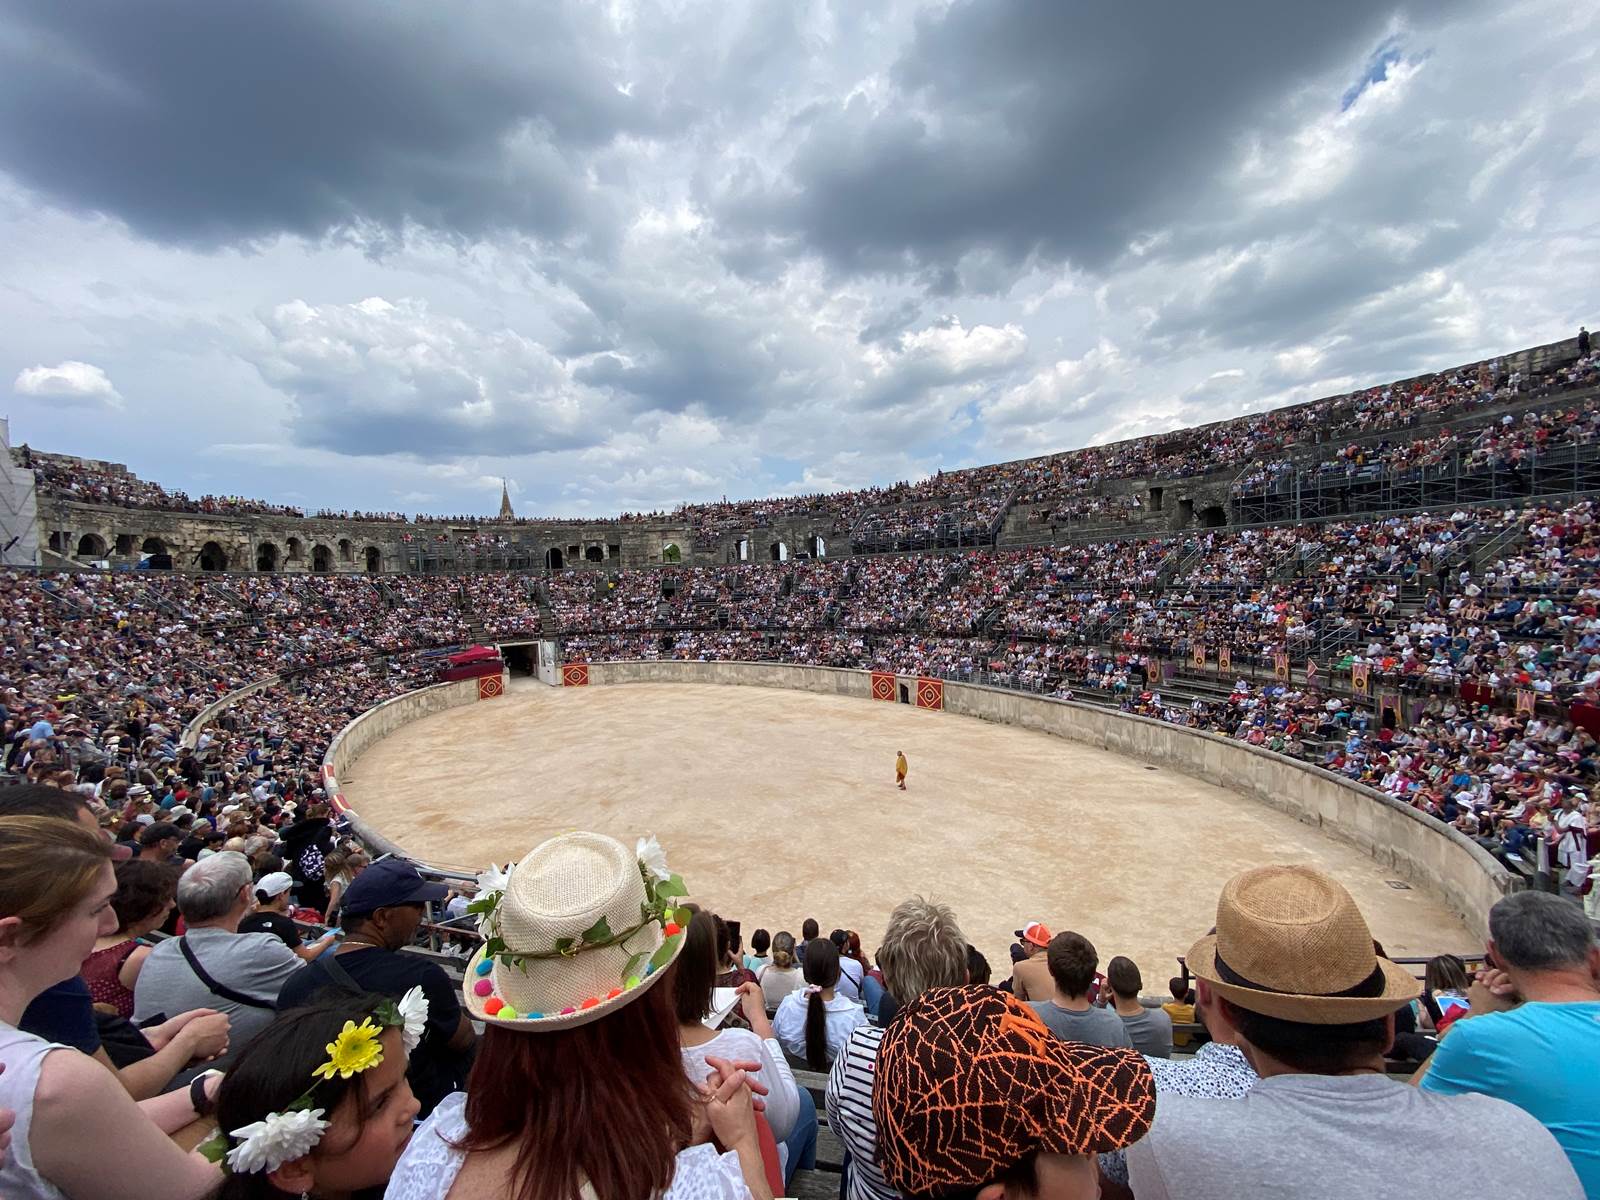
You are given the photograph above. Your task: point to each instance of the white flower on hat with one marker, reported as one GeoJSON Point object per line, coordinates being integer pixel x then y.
{"type": "Point", "coordinates": [486, 905]}
{"type": "Point", "coordinates": [492, 880]}
{"type": "Point", "coordinates": [413, 1009]}
{"type": "Point", "coordinates": [281, 1137]}
{"type": "Point", "coordinates": [652, 858]}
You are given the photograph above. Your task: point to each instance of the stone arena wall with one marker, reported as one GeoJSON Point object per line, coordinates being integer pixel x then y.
{"type": "Point", "coordinates": [1420, 849]}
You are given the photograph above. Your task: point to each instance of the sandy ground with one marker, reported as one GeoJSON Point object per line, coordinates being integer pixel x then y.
{"type": "Point", "coordinates": [778, 805]}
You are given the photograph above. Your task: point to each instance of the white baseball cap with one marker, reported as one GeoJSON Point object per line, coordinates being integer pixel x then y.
{"type": "Point", "coordinates": [274, 884]}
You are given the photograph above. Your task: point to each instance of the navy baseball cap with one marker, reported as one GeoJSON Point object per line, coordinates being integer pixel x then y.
{"type": "Point", "coordinates": [388, 882]}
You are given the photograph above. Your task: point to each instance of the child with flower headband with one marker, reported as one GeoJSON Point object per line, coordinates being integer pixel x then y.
{"type": "Point", "coordinates": [318, 1103]}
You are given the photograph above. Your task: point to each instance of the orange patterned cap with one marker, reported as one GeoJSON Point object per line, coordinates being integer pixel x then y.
{"type": "Point", "coordinates": [969, 1081]}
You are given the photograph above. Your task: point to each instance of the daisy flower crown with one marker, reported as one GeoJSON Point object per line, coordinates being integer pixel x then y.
{"type": "Point", "coordinates": [281, 1137]}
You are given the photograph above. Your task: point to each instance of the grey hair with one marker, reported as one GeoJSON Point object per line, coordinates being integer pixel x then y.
{"type": "Point", "coordinates": [210, 888]}
{"type": "Point", "coordinates": [1535, 931]}
{"type": "Point", "coordinates": [922, 948]}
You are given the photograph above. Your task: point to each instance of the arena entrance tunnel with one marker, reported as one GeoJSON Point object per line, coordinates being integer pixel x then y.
{"type": "Point", "coordinates": [521, 658]}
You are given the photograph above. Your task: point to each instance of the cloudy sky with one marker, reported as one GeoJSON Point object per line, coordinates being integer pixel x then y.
{"type": "Point", "coordinates": [380, 254]}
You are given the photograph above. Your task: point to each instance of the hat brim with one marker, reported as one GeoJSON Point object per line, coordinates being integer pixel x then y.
{"type": "Point", "coordinates": [1400, 987]}
{"type": "Point", "coordinates": [552, 1022]}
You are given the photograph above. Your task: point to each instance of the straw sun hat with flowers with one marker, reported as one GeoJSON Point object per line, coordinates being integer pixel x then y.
{"type": "Point", "coordinates": [578, 928]}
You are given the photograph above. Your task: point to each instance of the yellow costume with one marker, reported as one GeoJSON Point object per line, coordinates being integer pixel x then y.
{"type": "Point", "coordinates": [900, 767]}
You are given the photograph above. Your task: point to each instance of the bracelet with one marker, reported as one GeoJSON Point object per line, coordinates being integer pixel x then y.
{"type": "Point", "coordinates": [203, 1105]}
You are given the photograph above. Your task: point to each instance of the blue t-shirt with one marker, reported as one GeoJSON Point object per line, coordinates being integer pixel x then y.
{"type": "Point", "coordinates": [1545, 1059]}
{"type": "Point", "coordinates": [64, 1012]}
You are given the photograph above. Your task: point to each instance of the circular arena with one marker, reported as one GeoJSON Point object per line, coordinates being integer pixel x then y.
{"type": "Point", "coordinates": [777, 805]}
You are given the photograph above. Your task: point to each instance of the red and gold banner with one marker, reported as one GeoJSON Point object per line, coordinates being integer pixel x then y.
{"type": "Point", "coordinates": [1358, 679]}
{"type": "Point", "coordinates": [1280, 665]}
{"type": "Point", "coordinates": [1197, 655]}
{"type": "Point", "coordinates": [930, 693]}
{"type": "Point", "coordinates": [575, 675]}
{"type": "Point", "coordinates": [1389, 702]}
{"type": "Point", "coordinates": [1225, 659]}
{"type": "Point", "coordinates": [1526, 699]}
{"type": "Point", "coordinates": [490, 686]}
{"type": "Point", "coordinates": [883, 685]}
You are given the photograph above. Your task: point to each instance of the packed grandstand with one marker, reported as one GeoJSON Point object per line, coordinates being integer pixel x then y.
{"type": "Point", "coordinates": [1440, 644]}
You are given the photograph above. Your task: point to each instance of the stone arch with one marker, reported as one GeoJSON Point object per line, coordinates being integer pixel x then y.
{"type": "Point", "coordinates": [347, 550]}
{"type": "Point", "coordinates": [1213, 516]}
{"type": "Point", "coordinates": [554, 559]}
{"type": "Point", "coordinates": [321, 558]}
{"type": "Point", "coordinates": [91, 545]}
{"type": "Point", "coordinates": [124, 544]}
{"type": "Point", "coordinates": [779, 551]}
{"type": "Point", "coordinates": [267, 557]}
{"type": "Point", "coordinates": [213, 557]}
{"type": "Point", "coordinates": [296, 547]}
{"type": "Point", "coordinates": [373, 558]}
{"type": "Point", "coordinates": [59, 540]}
{"type": "Point", "coordinates": [152, 545]}
{"type": "Point", "coordinates": [817, 546]}
{"type": "Point", "coordinates": [670, 553]}
{"type": "Point", "coordinates": [594, 554]}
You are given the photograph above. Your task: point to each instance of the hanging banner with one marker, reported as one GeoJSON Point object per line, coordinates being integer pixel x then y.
{"type": "Point", "coordinates": [1389, 702]}
{"type": "Point", "coordinates": [883, 685]}
{"type": "Point", "coordinates": [1311, 669]}
{"type": "Point", "coordinates": [1197, 655]}
{"type": "Point", "coordinates": [1155, 672]}
{"type": "Point", "coordinates": [1280, 664]}
{"type": "Point", "coordinates": [575, 675]}
{"type": "Point", "coordinates": [490, 686]}
{"type": "Point", "coordinates": [1526, 699]}
{"type": "Point", "coordinates": [1225, 659]}
{"type": "Point", "coordinates": [930, 693]}
{"type": "Point", "coordinates": [1358, 679]}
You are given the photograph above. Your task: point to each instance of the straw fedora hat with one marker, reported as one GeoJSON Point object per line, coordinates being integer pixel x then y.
{"type": "Point", "coordinates": [579, 928]}
{"type": "Point", "coordinates": [1291, 943]}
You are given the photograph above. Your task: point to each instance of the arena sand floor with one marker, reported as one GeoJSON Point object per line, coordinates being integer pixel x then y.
{"type": "Point", "coordinates": [779, 805]}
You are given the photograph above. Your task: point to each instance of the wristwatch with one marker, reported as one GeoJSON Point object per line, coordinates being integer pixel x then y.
{"type": "Point", "coordinates": [202, 1104]}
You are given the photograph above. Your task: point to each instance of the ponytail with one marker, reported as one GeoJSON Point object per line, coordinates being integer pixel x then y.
{"type": "Point", "coordinates": [822, 971]}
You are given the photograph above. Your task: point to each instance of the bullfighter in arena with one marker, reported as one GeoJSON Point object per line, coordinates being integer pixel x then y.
{"type": "Point", "coordinates": [900, 768]}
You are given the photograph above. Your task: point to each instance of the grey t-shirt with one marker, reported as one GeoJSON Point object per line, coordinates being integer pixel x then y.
{"type": "Point", "coordinates": [1096, 1026]}
{"type": "Point", "coordinates": [1151, 1031]}
{"type": "Point", "coordinates": [252, 964]}
{"type": "Point", "coordinates": [1346, 1137]}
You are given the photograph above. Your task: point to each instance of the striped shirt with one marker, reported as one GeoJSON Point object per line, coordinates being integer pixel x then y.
{"type": "Point", "coordinates": [849, 1102]}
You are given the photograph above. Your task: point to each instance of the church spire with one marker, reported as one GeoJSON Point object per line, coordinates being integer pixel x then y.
{"type": "Point", "coordinates": [505, 503]}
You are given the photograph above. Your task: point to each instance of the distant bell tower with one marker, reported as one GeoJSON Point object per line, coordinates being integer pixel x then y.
{"type": "Point", "coordinates": [505, 503]}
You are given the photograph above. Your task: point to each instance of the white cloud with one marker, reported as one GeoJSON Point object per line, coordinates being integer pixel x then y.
{"type": "Point", "coordinates": [70, 382]}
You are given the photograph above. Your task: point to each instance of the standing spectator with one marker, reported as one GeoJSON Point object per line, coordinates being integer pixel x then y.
{"type": "Point", "coordinates": [1149, 1027]}
{"type": "Point", "coordinates": [1533, 1034]}
{"type": "Point", "coordinates": [973, 1097]}
{"type": "Point", "coordinates": [815, 1024]}
{"type": "Point", "coordinates": [1291, 973]}
{"type": "Point", "coordinates": [1030, 975]}
{"type": "Point", "coordinates": [380, 916]}
{"type": "Point", "coordinates": [213, 965]}
{"type": "Point", "coordinates": [74, 1120]}
{"type": "Point", "coordinates": [1068, 1012]}
{"type": "Point", "coordinates": [922, 948]}
{"type": "Point", "coordinates": [783, 974]}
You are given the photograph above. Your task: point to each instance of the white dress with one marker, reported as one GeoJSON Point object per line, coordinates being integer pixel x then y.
{"type": "Point", "coordinates": [428, 1168]}
{"type": "Point", "coordinates": [23, 1055]}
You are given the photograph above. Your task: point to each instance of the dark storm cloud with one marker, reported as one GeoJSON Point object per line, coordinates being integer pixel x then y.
{"type": "Point", "coordinates": [209, 121]}
{"type": "Point", "coordinates": [1058, 130]}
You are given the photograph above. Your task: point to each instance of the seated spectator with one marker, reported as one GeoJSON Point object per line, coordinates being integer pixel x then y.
{"type": "Point", "coordinates": [73, 1118]}
{"type": "Point", "coordinates": [366, 1115]}
{"type": "Point", "coordinates": [760, 944]}
{"type": "Point", "coordinates": [1069, 1013]}
{"type": "Point", "coordinates": [782, 975]}
{"type": "Point", "coordinates": [145, 895]}
{"type": "Point", "coordinates": [732, 972]}
{"type": "Point", "coordinates": [1148, 1026]}
{"type": "Point", "coordinates": [977, 965]}
{"type": "Point", "coordinates": [852, 974]}
{"type": "Point", "coordinates": [790, 1112]}
{"type": "Point", "coordinates": [1180, 1008]}
{"type": "Point", "coordinates": [809, 930]}
{"type": "Point", "coordinates": [1291, 974]}
{"type": "Point", "coordinates": [213, 965]}
{"type": "Point", "coordinates": [272, 916]}
{"type": "Point", "coordinates": [922, 948]}
{"type": "Point", "coordinates": [973, 1097]}
{"type": "Point", "coordinates": [381, 912]}
{"type": "Point", "coordinates": [1030, 974]}
{"type": "Point", "coordinates": [1444, 992]}
{"type": "Point", "coordinates": [579, 1086]}
{"type": "Point", "coordinates": [814, 1024]}
{"type": "Point", "coordinates": [159, 842]}
{"type": "Point", "coordinates": [1533, 1034]}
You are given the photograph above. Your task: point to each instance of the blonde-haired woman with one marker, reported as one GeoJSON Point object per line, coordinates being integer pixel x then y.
{"type": "Point", "coordinates": [56, 885]}
{"type": "Point", "coordinates": [782, 975]}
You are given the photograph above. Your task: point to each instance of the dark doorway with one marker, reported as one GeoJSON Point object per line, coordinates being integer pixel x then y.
{"type": "Point", "coordinates": [374, 559]}
{"type": "Point", "coordinates": [296, 547]}
{"type": "Point", "coordinates": [266, 557]}
{"type": "Point", "coordinates": [520, 660]}
{"type": "Point", "coordinates": [213, 557]}
{"type": "Point", "coordinates": [779, 551]}
{"type": "Point", "coordinates": [905, 694]}
{"type": "Point", "coordinates": [818, 546]}
{"type": "Point", "coordinates": [347, 549]}
{"type": "Point", "coordinates": [321, 558]}
{"type": "Point", "coordinates": [553, 558]}
{"type": "Point", "coordinates": [1186, 512]}
{"type": "Point", "coordinates": [1156, 497]}
{"type": "Point", "coordinates": [91, 545]}
{"type": "Point", "coordinates": [595, 554]}
{"type": "Point", "coordinates": [124, 544]}
{"type": "Point", "coordinates": [1213, 516]}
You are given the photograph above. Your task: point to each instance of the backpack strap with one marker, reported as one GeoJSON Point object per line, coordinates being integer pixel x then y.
{"type": "Point", "coordinates": [220, 989]}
